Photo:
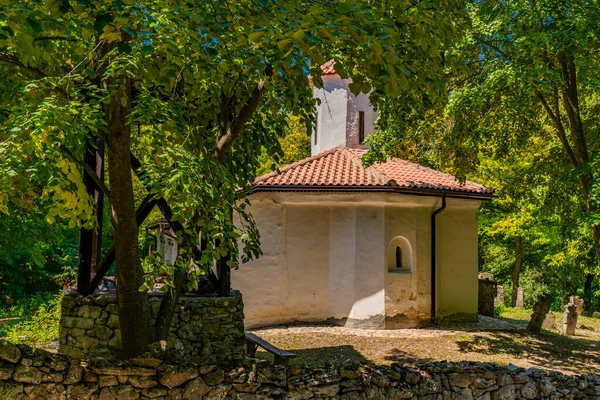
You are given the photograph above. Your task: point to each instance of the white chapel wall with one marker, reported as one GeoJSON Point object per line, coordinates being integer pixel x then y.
{"type": "Point", "coordinates": [325, 260]}
{"type": "Point", "coordinates": [331, 114]}
{"type": "Point", "coordinates": [338, 115]}
{"type": "Point", "coordinates": [264, 282]}
{"type": "Point", "coordinates": [458, 260]}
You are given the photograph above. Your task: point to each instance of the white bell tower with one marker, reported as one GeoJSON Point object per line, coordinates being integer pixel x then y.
{"type": "Point", "coordinates": [342, 119]}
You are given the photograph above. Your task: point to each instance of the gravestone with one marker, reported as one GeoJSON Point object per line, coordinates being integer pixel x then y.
{"type": "Point", "coordinates": [596, 314]}
{"type": "Point", "coordinates": [578, 301]}
{"type": "Point", "coordinates": [500, 294]}
{"type": "Point", "coordinates": [520, 298]}
{"type": "Point", "coordinates": [549, 322]}
{"type": "Point", "coordinates": [487, 294]}
{"type": "Point", "coordinates": [570, 319]}
{"type": "Point", "coordinates": [540, 310]}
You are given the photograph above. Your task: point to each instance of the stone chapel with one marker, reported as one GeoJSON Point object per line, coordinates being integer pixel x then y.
{"type": "Point", "coordinates": [390, 246]}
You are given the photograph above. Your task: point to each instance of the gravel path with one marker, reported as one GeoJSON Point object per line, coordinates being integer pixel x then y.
{"type": "Point", "coordinates": [484, 324]}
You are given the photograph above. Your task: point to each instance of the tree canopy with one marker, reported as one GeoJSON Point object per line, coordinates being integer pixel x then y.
{"type": "Point", "coordinates": [196, 90]}
{"type": "Point", "coordinates": [520, 103]}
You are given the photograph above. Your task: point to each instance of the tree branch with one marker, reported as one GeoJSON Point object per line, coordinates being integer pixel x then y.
{"type": "Point", "coordinates": [91, 173]}
{"type": "Point", "coordinates": [571, 103]}
{"type": "Point", "coordinates": [493, 47]}
{"type": "Point", "coordinates": [45, 38]}
{"type": "Point", "coordinates": [560, 130]}
{"type": "Point", "coordinates": [237, 126]}
{"type": "Point", "coordinates": [7, 58]}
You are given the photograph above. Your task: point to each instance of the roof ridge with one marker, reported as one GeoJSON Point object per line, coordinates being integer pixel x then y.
{"type": "Point", "coordinates": [296, 164]}
{"type": "Point", "coordinates": [378, 175]}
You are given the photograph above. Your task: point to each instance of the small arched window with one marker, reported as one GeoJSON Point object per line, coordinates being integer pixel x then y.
{"type": "Point", "coordinates": [399, 255]}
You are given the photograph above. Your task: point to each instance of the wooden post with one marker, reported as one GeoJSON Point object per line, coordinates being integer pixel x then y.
{"type": "Point", "coordinates": [86, 235]}
{"type": "Point", "coordinates": [142, 213]}
{"type": "Point", "coordinates": [224, 274]}
{"type": "Point", "coordinates": [99, 207]}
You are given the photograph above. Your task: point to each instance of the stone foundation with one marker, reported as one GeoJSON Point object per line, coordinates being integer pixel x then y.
{"type": "Point", "coordinates": [205, 330]}
{"type": "Point", "coordinates": [25, 374]}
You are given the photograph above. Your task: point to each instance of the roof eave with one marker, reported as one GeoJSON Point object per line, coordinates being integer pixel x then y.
{"type": "Point", "coordinates": [376, 189]}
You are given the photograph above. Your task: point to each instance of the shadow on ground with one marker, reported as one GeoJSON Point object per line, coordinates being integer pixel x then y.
{"type": "Point", "coordinates": [319, 357]}
{"type": "Point", "coordinates": [547, 350]}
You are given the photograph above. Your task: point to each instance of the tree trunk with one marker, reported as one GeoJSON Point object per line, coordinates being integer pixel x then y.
{"type": "Point", "coordinates": [167, 307]}
{"type": "Point", "coordinates": [586, 183]}
{"type": "Point", "coordinates": [517, 269]}
{"type": "Point", "coordinates": [588, 290]}
{"type": "Point", "coordinates": [99, 209]}
{"type": "Point", "coordinates": [134, 310]}
{"type": "Point", "coordinates": [86, 236]}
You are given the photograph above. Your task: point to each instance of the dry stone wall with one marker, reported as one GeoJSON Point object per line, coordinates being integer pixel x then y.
{"type": "Point", "coordinates": [27, 374]}
{"type": "Point", "coordinates": [205, 330]}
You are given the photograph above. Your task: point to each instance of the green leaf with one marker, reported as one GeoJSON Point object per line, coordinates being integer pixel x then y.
{"type": "Point", "coordinates": [344, 7]}
{"type": "Point", "coordinates": [37, 28]}
{"type": "Point", "coordinates": [256, 36]}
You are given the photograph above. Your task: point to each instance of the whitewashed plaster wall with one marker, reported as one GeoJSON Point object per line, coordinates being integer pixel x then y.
{"type": "Point", "coordinates": [458, 261]}
{"type": "Point", "coordinates": [325, 260]}
{"type": "Point", "coordinates": [337, 115]}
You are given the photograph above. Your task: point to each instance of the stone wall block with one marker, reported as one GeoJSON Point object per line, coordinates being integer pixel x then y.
{"type": "Point", "coordinates": [9, 352]}
{"type": "Point", "coordinates": [174, 376]}
{"type": "Point", "coordinates": [77, 322]}
{"type": "Point", "coordinates": [24, 374]}
{"type": "Point", "coordinates": [207, 329]}
{"type": "Point", "coordinates": [113, 321]}
{"type": "Point", "coordinates": [89, 312]}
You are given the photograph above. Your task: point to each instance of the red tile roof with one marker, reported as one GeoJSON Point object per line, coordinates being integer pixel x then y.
{"type": "Point", "coordinates": [327, 68]}
{"type": "Point", "coordinates": [341, 169]}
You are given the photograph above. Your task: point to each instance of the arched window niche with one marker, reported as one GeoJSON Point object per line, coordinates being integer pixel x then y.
{"type": "Point", "coordinates": [399, 255]}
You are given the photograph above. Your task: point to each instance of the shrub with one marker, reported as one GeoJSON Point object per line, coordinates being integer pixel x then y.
{"type": "Point", "coordinates": [41, 328]}
{"type": "Point", "coordinates": [499, 308]}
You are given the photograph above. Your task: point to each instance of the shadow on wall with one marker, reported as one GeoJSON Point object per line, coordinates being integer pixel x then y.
{"type": "Point", "coordinates": [567, 353]}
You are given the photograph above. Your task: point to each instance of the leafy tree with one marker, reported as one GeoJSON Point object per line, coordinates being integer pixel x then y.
{"type": "Point", "coordinates": [211, 83]}
{"type": "Point", "coordinates": [295, 146]}
{"type": "Point", "coordinates": [524, 71]}
{"type": "Point", "coordinates": [536, 69]}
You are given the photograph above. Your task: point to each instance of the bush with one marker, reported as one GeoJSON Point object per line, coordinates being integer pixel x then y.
{"type": "Point", "coordinates": [41, 328]}
{"type": "Point", "coordinates": [499, 308]}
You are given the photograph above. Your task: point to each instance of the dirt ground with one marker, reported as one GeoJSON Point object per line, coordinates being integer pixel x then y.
{"type": "Point", "coordinates": [503, 340]}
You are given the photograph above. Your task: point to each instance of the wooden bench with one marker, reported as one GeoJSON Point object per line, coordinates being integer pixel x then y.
{"type": "Point", "coordinates": [282, 357]}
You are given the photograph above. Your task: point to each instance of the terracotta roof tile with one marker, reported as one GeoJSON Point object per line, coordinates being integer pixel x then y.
{"type": "Point", "coordinates": [342, 167]}
{"type": "Point", "coordinates": [327, 68]}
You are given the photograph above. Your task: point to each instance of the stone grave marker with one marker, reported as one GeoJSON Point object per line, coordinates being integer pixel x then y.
{"type": "Point", "coordinates": [487, 294]}
{"type": "Point", "coordinates": [570, 319]}
{"type": "Point", "coordinates": [500, 294]}
{"type": "Point", "coordinates": [596, 314]}
{"type": "Point", "coordinates": [578, 301]}
{"type": "Point", "coordinates": [549, 322]}
{"type": "Point", "coordinates": [540, 311]}
{"type": "Point", "coordinates": [520, 298]}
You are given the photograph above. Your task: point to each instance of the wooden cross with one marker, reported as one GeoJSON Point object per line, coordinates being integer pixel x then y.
{"type": "Point", "coordinates": [90, 241]}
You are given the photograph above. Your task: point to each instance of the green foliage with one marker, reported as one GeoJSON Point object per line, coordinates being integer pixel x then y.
{"type": "Point", "coordinates": [202, 74]}
{"type": "Point", "coordinates": [35, 256]}
{"type": "Point", "coordinates": [499, 309]}
{"type": "Point", "coordinates": [295, 146]}
{"type": "Point", "coordinates": [26, 305]}
{"type": "Point", "coordinates": [521, 91]}
{"type": "Point", "coordinates": [41, 329]}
